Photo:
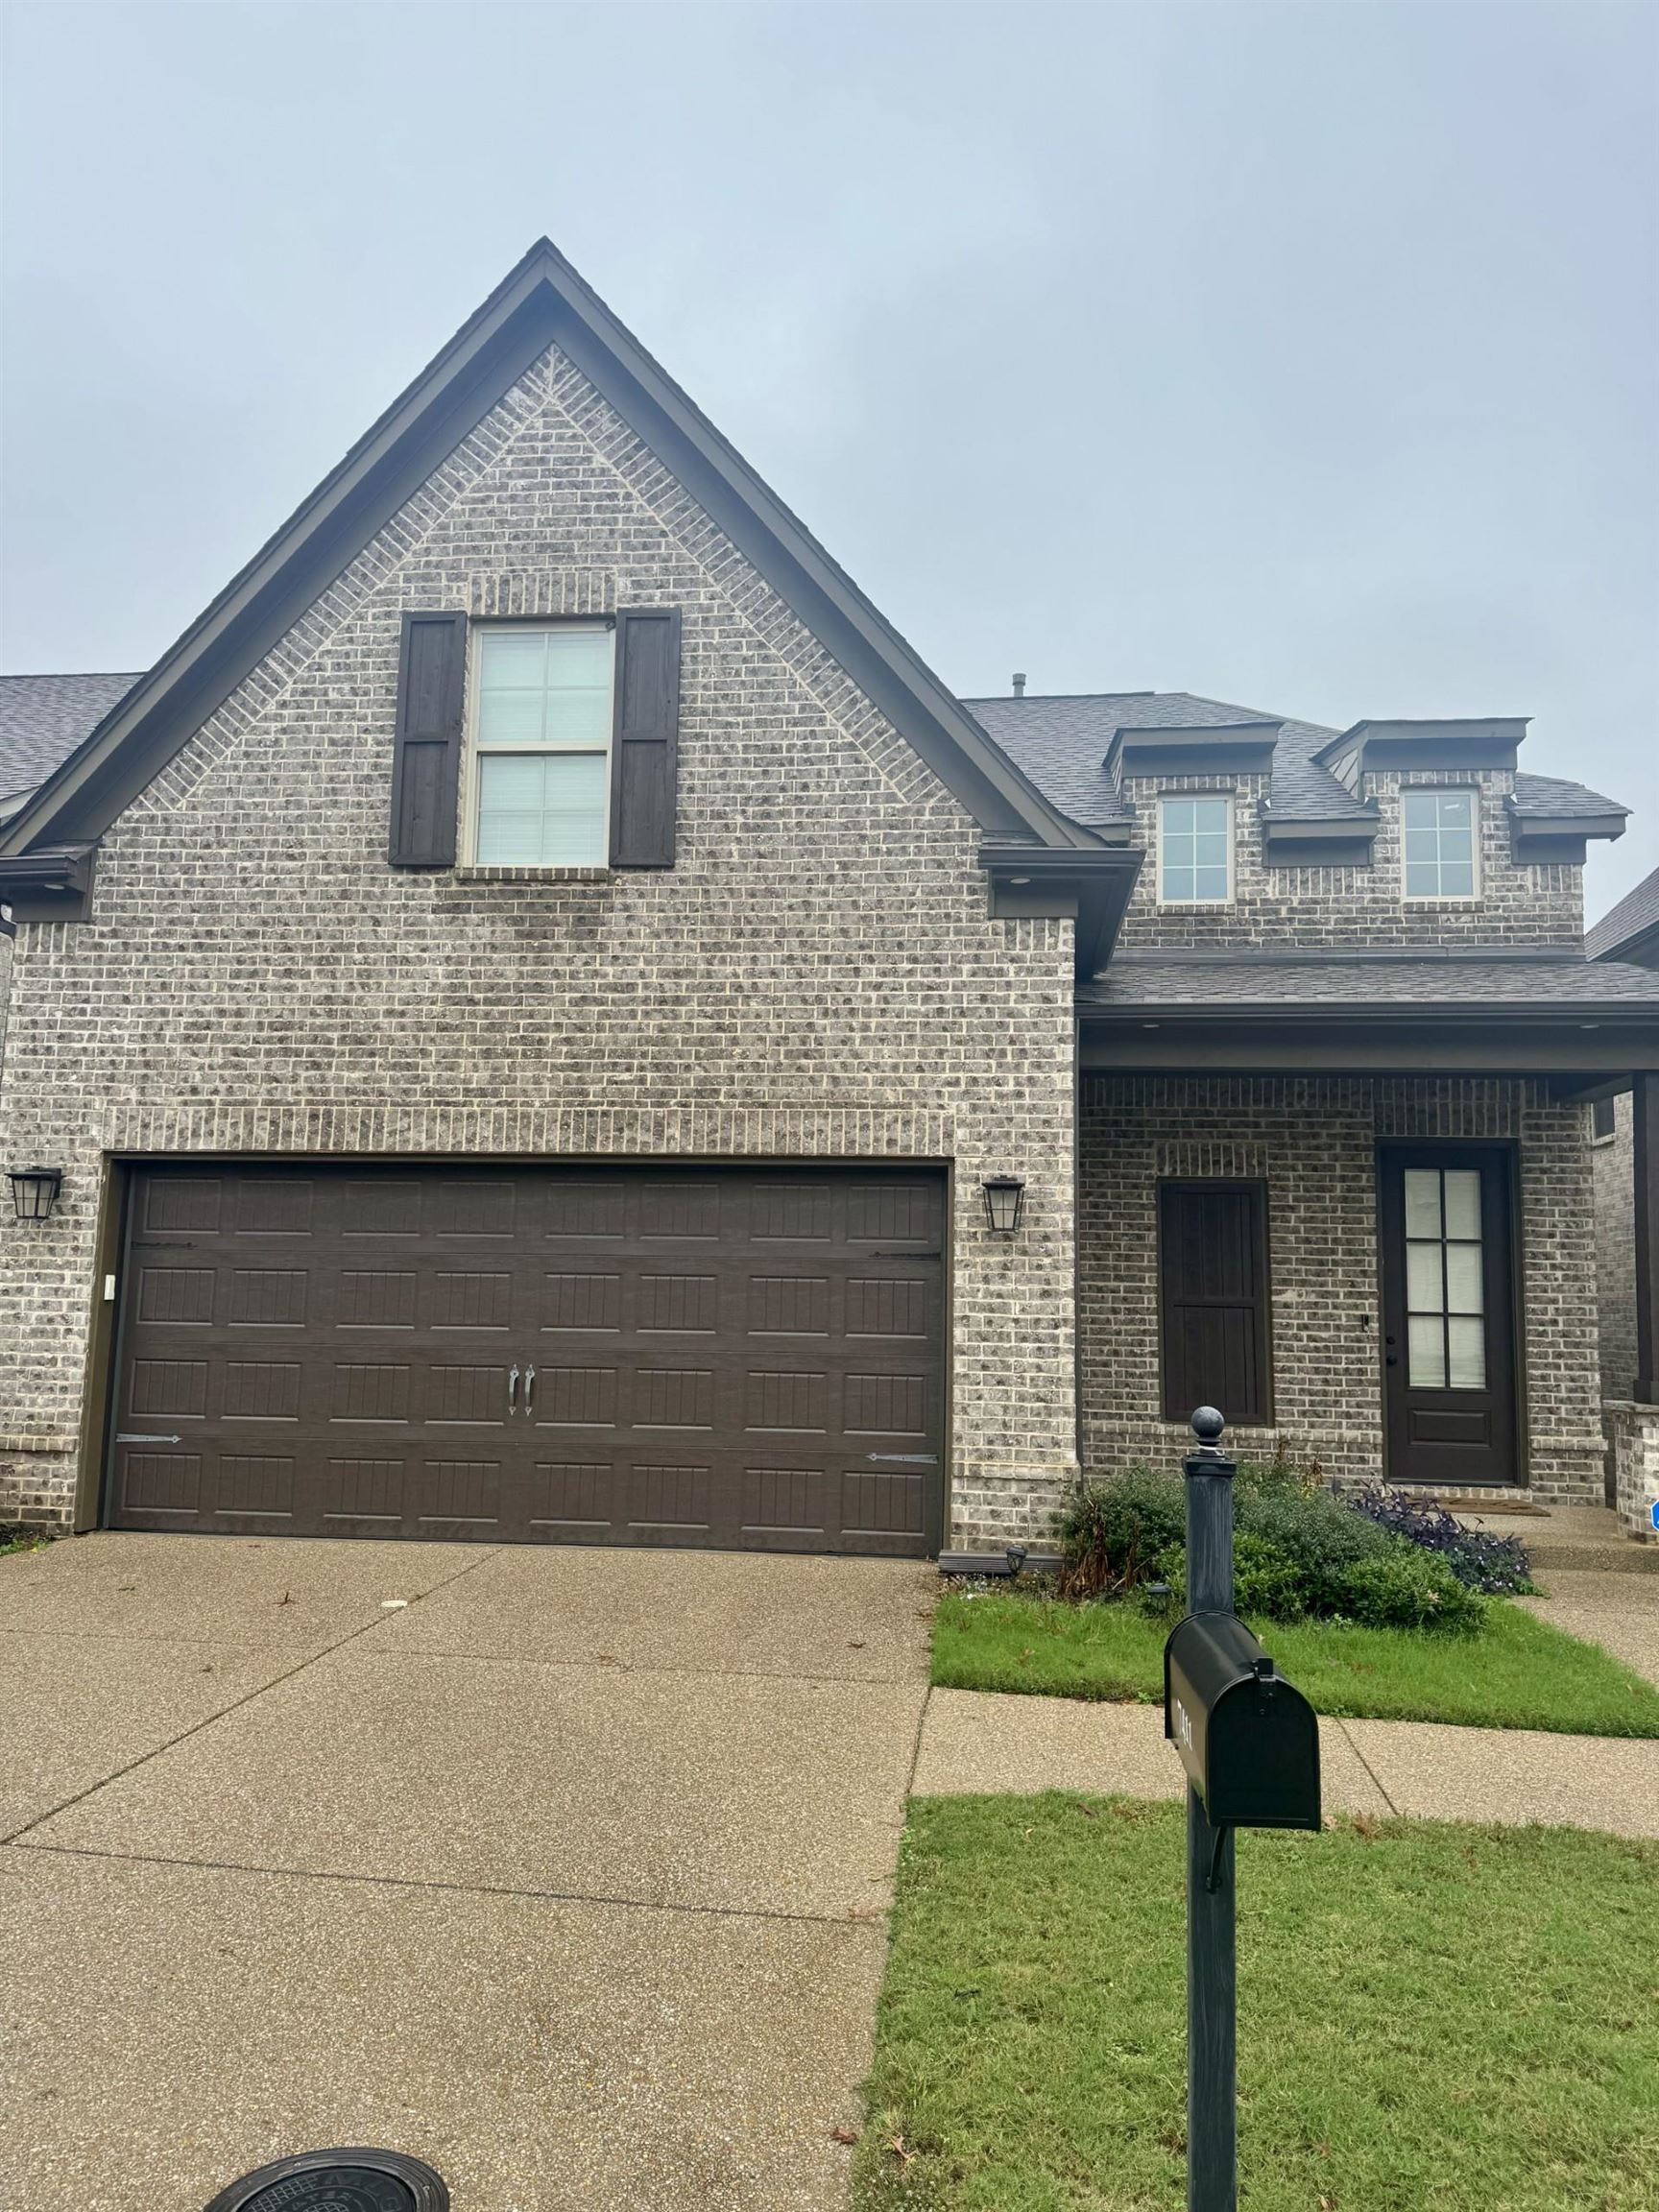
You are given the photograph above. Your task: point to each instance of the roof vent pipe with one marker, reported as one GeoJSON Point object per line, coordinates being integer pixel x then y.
{"type": "Point", "coordinates": [1019, 683]}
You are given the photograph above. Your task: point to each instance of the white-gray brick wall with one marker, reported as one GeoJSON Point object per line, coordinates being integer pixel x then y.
{"type": "Point", "coordinates": [817, 976]}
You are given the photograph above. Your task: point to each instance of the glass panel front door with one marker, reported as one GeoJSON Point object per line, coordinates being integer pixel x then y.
{"type": "Point", "coordinates": [1449, 1368]}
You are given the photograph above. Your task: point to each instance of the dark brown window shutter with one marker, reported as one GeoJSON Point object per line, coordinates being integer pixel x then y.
{"type": "Point", "coordinates": [1213, 1286]}
{"type": "Point", "coordinates": [426, 762]}
{"type": "Point", "coordinates": [645, 771]}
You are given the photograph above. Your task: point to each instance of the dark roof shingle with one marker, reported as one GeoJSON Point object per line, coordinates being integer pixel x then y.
{"type": "Point", "coordinates": [1635, 915]}
{"type": "Point", "coordinates": [1061, 741]}
{"type": "Point", "coordinates": [43, 718]}
{"type": "Point", "coordinates": [1547, 980]}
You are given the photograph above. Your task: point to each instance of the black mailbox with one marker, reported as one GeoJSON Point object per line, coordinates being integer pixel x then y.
{"type": "Point", "coordinates": [1248, 1740]}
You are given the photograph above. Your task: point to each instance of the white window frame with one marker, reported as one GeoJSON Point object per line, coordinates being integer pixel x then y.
{"type": "Point", "coordinates": [1468, 898]}
{"type": "Point", "coordinates": [1185, 798]}
{"type": "Point", "coordinates": [476, 750]}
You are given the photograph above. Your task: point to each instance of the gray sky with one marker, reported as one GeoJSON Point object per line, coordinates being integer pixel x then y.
{"type": "Point", "coordinates": [1299, 354]}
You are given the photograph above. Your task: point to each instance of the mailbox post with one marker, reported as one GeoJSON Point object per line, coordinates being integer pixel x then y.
{"type": "Point", "coordinates": [1250, 1744]}
{"type": "Point", "coordinates": [1211, 1953]}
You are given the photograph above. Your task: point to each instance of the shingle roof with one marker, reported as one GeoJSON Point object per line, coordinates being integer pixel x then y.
{"type": "Point", "coordinates": [1635, 915]}
{"type": "Point", "coordinates": [1553, 797]}
{"type": "Point", "coordinates": [42, 719]}
{"type": "Point", "coordinates": [1512, 981]}
{"type": "Point", "coordinates": [1061, 741]}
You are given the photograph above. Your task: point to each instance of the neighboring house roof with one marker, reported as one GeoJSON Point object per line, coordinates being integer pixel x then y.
{"type": "Point", "coordinates": [1061, 741]}
{"type": "Point", "coordinates": [42, 719]}
{"type": "Point", "coordinates": [542, 303]}
{"type": "Point", "coordinates": [1631, 930]}
{"type": "Point", "coordinates": [1535, 980]}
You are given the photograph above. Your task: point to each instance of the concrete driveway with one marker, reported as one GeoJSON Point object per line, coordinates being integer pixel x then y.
{"type": "Point", "coordinates": [567, 1874]}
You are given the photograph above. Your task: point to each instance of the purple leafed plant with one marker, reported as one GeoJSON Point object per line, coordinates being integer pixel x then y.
{"type": "Point", "coordinates": [1497, 1566]}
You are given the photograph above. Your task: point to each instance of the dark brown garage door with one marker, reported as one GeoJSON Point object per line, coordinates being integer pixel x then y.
{"type": "Point", "coordinates": [742, 1357]}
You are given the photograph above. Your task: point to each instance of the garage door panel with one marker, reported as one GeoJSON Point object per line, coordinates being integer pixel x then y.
{"type": "Point", "coordinates": [459, 1492]}
{"type": "Point", "coordinates": [273, 1205]}
{"type": "Point", "coordinates": [367, 1491]}
{"type": "Point", "coordinates": [703, 1357]}
{"type": "Point", "coordinates": [262, 1391]}
{"type": "Point", "coordinates": [574, 1500]}
{"type": "Point", "coordinates": [267, 1297]}
{"type": "Point", "coordinates": [155, 1484]}
{"type": "Point", "coordinates": [257, 1487]}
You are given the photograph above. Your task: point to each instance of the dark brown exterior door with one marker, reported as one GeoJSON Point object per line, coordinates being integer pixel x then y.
{"type": "Point", "coordinates": [746, 1358]}
{"type": "Point", "coordinates": [1448, 1314]}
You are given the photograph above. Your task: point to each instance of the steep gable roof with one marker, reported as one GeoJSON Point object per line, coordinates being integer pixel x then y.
{"type": "Point", "coordinates": [541, 303]}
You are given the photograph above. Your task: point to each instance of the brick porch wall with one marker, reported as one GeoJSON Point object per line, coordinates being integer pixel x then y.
{"type": "Point", "coordinates": [1313, 1139]}
{"type": "Point", "coordinates": [1613, 1169]}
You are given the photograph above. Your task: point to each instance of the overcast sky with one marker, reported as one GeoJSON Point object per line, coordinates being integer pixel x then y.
{"type": "Point", "coordinates": [1303, 355]}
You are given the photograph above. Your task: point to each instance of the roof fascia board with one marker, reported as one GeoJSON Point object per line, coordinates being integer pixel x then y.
{"type": "Point", "coordinates": [1369, 1014]}
{"type": "Point", "coordinates": [1093, 888]}
{"type": "Point", "coordinates": [1285, 1041]}
{"type": "Point", "coordinates": [1526, 827]}
{"type": "Point", "coordinates": [1405, 743]}
{"type": "Point", "coordinates": [542, 301]}
{"type": "Point", "coordinates": [1231, 748]}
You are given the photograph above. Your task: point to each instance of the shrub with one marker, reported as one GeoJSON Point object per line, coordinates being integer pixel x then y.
{"type": "Point", "coordinates": [1496, 1565]}
{"type": "Point", "coordinates": [1114, 1531]}
{"type": "Point", "coordinates": [1298, 1552]}
{"type": "Point", "coordinates": [1267, 1580]}
{"type": "Point", "coordinates": [1402, 1587]}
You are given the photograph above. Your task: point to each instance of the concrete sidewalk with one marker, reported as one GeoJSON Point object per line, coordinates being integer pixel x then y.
{"type": "Point", "coordinates": [569, 1873]}
{"type": "Point", "coordinates": [977, 1743]}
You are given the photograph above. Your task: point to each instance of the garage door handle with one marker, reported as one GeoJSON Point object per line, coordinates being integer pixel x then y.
{"type": "Point", "coordinates": [529, 1389]}
{"type": "Point", "coordinates": [121, 1437]}
{"type": "Point", "coordinates": [512, 1390]}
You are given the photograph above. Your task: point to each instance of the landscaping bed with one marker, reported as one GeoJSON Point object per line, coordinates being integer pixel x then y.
{"type": "Point", "coordinates": [1514, 1672]}
{"type": "Point", "coordinates": [1433, 2017]}
{"type": "Point", "coordinates": [1377, 1605]}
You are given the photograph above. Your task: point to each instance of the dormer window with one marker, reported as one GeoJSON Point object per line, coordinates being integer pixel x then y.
{"type": "Point", "coordinates": [1194, 852]}
{"type": "Point", "coordinates": [1440, 844]}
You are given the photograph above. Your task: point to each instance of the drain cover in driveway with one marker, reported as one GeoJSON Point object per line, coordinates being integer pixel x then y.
{"type": "Point", "coordinates": [337, 2181]}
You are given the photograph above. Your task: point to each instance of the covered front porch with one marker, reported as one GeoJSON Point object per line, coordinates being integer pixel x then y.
{"type": "Point", "coordinates": [1349, 1199]}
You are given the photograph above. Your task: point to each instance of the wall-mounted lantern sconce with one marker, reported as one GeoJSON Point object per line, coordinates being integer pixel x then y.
{"type": "Point", "coordinates": [34, 1192]}
{"type": "Point", "coordinates": [1004, 1203]}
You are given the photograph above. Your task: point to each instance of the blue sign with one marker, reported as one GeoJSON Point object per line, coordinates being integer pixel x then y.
{"type": "Point", "coordinates": [1654, 1512]}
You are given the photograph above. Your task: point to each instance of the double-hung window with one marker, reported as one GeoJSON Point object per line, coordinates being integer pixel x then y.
{"type": "Point", "coordinates": [1439, 828]}
{"type": "Point", "coordinates": [542, 745]}
{"type": "Point", "coordinates": [1194, 852]}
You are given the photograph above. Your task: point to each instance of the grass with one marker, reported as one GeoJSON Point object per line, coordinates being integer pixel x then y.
{"type": "Point", "coordinates": [1518, 1672]}
{"type": "Point", "coordinates": [22, 1540]}
{"type": "Point", "coordinates": [1433, 2017]}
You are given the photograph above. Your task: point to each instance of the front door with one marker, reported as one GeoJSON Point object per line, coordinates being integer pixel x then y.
{"type": "Point", "coordinates": [1447, 1315]}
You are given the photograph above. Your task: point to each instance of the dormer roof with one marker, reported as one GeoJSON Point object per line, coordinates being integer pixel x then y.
{"type": "Point", "coordinates": [1313, 818]}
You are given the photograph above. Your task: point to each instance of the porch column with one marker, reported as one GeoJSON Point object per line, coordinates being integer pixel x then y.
{"type": "Point", "coordinates": [1644, 1118]}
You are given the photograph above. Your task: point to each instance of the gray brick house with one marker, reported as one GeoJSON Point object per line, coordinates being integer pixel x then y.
{"type": "Point", "coordinates": [549, 1022]}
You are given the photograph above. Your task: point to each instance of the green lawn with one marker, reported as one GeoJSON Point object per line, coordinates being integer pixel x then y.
{"type": "Point", "coordinates": [1433, 2017]}
{"type": "Point", "coordinates": [1518, 1672]}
